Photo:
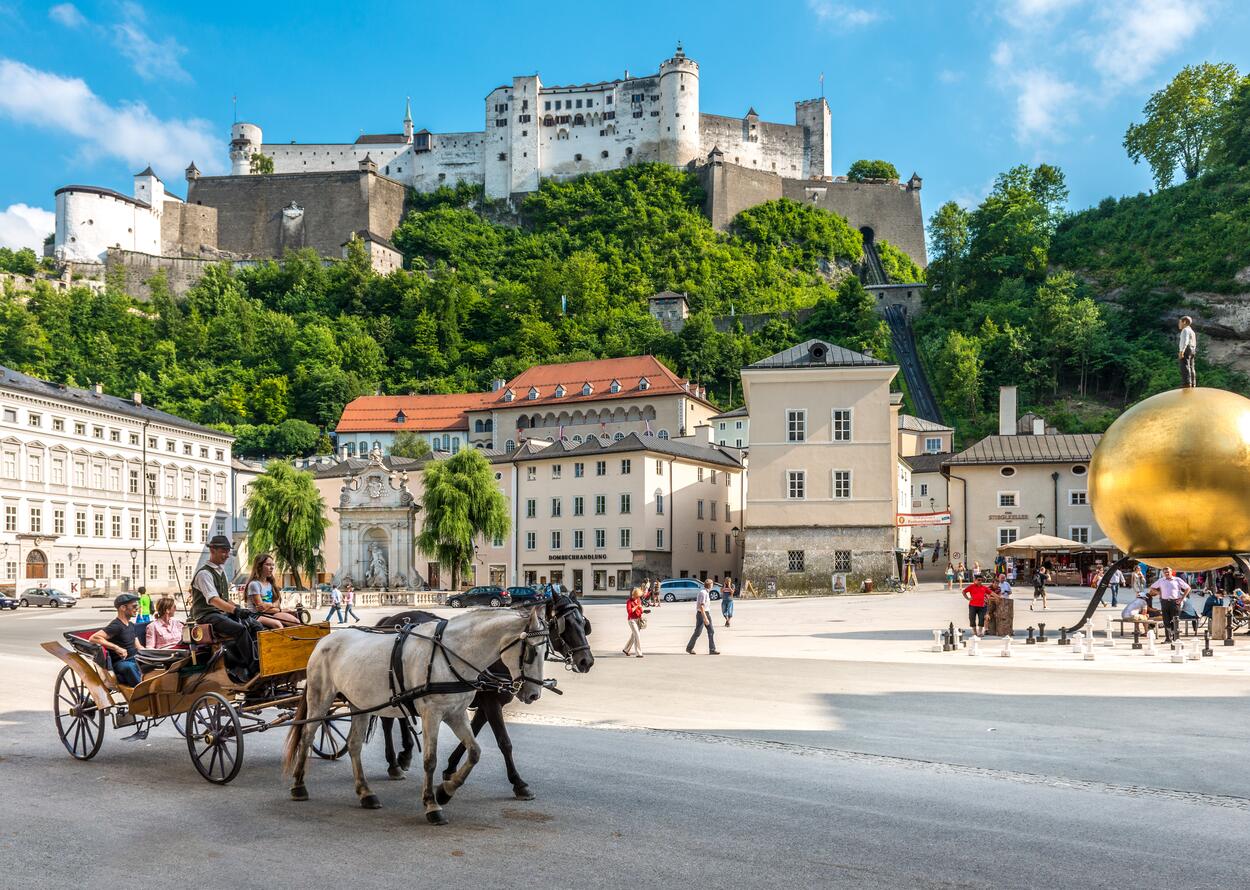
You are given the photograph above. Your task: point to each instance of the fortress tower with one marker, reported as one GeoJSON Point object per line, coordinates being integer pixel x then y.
{"type": "Point", "coordinates": [245, 141]}
{"type": "Point", "coordinates": [813, 116]}
{"type": "Point", "coordinates": [679, 109]}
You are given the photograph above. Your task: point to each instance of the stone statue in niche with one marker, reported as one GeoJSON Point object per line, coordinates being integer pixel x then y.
{"type": "Point", "coordinates": [377, 573]}
{"type": "Point", "coordinates": [374, 487]}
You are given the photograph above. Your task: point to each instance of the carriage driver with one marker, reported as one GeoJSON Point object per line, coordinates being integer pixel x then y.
{"type": "Point", "coordinates": [210, 605]}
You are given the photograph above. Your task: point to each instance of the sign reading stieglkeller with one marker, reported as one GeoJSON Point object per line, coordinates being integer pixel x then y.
{"type": "Point", "coordinates": [565, 557]}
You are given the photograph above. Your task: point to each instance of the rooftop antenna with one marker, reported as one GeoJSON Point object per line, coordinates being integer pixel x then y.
{"type": "Point", "coordinates": [234, 100]}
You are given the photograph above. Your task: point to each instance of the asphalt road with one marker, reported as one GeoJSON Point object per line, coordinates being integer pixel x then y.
{"type": "Point", "coordinates": [738, 771]}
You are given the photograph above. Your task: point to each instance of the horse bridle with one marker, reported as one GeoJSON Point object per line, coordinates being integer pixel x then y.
{"type": "Point", "coordinates": [560, 610]}
{"type": "Point", "coordinates": [529, 654]}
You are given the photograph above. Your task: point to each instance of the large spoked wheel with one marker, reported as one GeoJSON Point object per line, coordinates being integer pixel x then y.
{"type": "Point", "coordinates": [215, 738]}
{"type": "Point", "coordinates": [78, 721]}
{"type": "Point", "coordinates": [330, 738]}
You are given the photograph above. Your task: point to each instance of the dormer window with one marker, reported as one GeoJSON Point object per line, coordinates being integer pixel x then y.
{"type": "Point", "coordinates": [615, 387]}
{"type": "Point", "coordinates": [644, 383]}
{"type": "Point", "coordinates": [587, 389]}
{"type": "Point", "coordinates": [508, 395]}
{"type": "Point", "coordinates": [401, 417]}
{"type": "Point", "coordinates": [560, 391]}
{"type": "Point", "coordinates": [532, 394]}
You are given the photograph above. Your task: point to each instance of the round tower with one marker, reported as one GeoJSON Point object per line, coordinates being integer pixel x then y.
{"type": "Point", "coordinates": [679, 109]}
{"type": "Point", "coordinates": [245, 141]}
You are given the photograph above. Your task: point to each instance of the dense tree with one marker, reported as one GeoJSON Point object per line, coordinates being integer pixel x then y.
{"type": "Point", "coordinates": [261, 163]}
{"type": "Point", "coordinates": [1232, 131]}
{"type": "Point", "coordinates": [286, 516]}
{"type": "Point", "coordinates": [460, 503]}
{"type": "Point", "coordinates": [1181, 121]}
{"type": "Point", "coordinates": [864, 170]}
{"type": "Point", "coordinates": [409, 444]}
{"type": "Point", "coordinates": [22, 261]}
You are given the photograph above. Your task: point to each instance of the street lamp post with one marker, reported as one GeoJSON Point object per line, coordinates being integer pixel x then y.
{"type": "Point", "coordinates": [1041, 522]}
{"type": "Point", "coordinates": [134, 566]}
{"type": "Point", "coordinates": [735, 531]}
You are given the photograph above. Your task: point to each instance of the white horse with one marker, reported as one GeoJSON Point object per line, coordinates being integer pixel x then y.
{"type": "Point", "coordinates": [356, 664]}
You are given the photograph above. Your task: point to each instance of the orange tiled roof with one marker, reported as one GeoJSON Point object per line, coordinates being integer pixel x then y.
{"type": "Point", "coordinates": [599, 373]}
{"type": "Point", "coordinates": [421, 412]}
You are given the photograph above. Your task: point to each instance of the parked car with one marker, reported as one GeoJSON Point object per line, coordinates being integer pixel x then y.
{"type": "Point", "coordinates": [486, 595]}
{"type": "Point", "coordinates": [8, 601]}
{"type": "Point", "coordinates": [528, 595]}
{"type": "Point", "coordinates": [674, 589]}
{"type": "Point", "coordinates": [47, 596]}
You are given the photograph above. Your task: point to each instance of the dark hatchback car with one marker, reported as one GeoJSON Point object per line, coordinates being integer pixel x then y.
{"type": "Point", "coordinates": [8, 601]}
{"type": "Point", "coordinates": [486, 595]}
{"type": "Point", "coordinates": [525, 596]}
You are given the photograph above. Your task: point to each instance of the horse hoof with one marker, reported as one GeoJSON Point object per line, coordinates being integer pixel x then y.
{"type": "Point", "coordinates": [299, 792]}
{"type": "Point", "coordinates": [370, 802]}
{"type": "Point", "coordinates": [395, 773]}
{"type": "Point", "coordinates": [405, 761]}
{"type": "Point", "coordinates": [436, 818]}
{"type": "Point", "coordinates": [522, 792]}
{"type": "Point", "coordinates": [441, 795]}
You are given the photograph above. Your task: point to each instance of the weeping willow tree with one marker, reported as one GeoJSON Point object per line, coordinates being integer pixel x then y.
{"type": "Point", "coordinates": [460, 503]}
{"type": "Point", "coordinates": [286, 516]}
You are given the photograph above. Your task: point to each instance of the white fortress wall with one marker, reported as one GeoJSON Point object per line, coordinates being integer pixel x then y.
{"type": "Point", "coordinates": [452, 158]}
{"type": "Point", "coordinates": [778, 148]}
{"type": "Point", "coordinates": [328, 157]}
{"type": "Point", "coordinates": [89, 221]}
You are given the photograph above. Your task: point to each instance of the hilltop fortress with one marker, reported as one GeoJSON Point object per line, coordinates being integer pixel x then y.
{"type": "Point", "coordinates": [321, 195]}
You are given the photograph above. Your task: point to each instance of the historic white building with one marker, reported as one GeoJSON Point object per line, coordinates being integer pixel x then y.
{"type": "Point", "coordinates": [533, 131]}
{"type": "Point", "coordinates": [72, 465]}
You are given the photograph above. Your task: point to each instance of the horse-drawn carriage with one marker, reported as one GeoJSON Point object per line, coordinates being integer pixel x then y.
{"type": "Point", "coordinates": [190, 687]}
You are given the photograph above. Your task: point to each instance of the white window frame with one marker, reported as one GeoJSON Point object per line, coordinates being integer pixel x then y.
{"type": "Point", "coordinates": [531, 540]}
{"type": "Point", "coordinates": [933, 445]}
{"type": "Point", "coordinates": [1015, 497]}
{"type": "Point", "coordinates": [850, 484]}
{"type": "Point", "coordinates": [1072, 495]}
{"type": "Point", "coordinates": [1084, 530]}
{"type": "Point", "coordinates": [799, 414]}
{"type": "Point", "coordinates": [850, 425]}
{"type": "Point", "coordinates": [1008, 534]}
{"type": "Point", "coordinates": [802, 474]}
{"type": "Point", "coordinates": [924, 489]}
{"type": "Point", "coordinates": [627, 538]}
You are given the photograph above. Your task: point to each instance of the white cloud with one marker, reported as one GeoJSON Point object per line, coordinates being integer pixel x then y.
{"type": "Point", "coordinates": [842, 15]}
{"type": "Point", "coordinates": [1043, 104]}
{"type": "Point", "coordinates": [1036, 9]}
{"type": "Point", "coordinates": [67, 14]}
{"type": "Point", "coordinates": [25, 226]}
{"type": "Point", "coordinates": [151, 58]}
{"type": "Point", "coordinates": [1141, 34]}
{"type": "Point", "coordinates": [129, 131]}
{"type": "Point", "coordinates": [949, 75]}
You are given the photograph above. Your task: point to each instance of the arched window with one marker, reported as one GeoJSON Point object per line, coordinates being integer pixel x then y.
{"type": "Point", "coordinates": [351, 449]}
{"type": "Point", "coordinates": [618, 437]}
{"type": "Point", "coordinates": [455, 445]}
{"type": "Point", "coordinates": [509, 446]}
{"type": "Point", "coordinates": [577, 440]}
{"type": "Point", "coordinates": [477, 426]}
{"type": "Point", "coordinates": [490, 425]}
{"type": "Point", "coordinates": [363, 447]}
{"type": "Point", "coordinates": [446, 442]}
{"type": "Point", "coordinates": [663, 434]}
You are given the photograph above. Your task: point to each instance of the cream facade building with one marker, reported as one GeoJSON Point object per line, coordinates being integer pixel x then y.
{"type": "Point", "coordinates": [826, 479]}
{"type": "Point", "coordinates": [1017, 483]}
{"type": "Point", "coordinates": [925, 444]}
{"type": "Point", "coordinates": [72, 469]}
{"type": "Point", "coordinates": [732, 428]}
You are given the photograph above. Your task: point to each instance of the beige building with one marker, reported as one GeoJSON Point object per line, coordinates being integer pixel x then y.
{"type": "Point", "coordinates": [601, 518]}
{"type": "Point", "coordinates": [1017, 483]}
{"type": "Point", "coordinates": [826, 479]}
{"type": "Point", "coordinates": [733, 428]}
{"type": "Point", "coordinates": [919, 436]}
{"type": "Point", "coordinates": [603, 399]}
{"type": "Point", "coordinates": [925, 445]}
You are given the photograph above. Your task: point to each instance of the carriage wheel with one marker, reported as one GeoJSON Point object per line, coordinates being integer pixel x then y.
{"type": "Point", "coordinates": [330, 738]}
{"type": "Point", "coordinates": [78, 721]}
{"type": "Point", "coordinates": [303, 616]}
{"type": "Point", "coordinates": [180, 723]}
{"type": "Point", "coordinates": [215, 738]}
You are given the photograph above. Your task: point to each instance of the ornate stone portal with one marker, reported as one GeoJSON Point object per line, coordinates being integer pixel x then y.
{"type": "Point", "coordinates": [377, 522]}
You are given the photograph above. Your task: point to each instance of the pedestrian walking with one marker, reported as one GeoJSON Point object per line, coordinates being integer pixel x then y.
{"type": "Point", "coordinates": [144, 618]}
{"type": "Point", "coordinates": [950, 576]}
{"type": "Point", "coordinates": [960, 571]}
{"type": "Point", "coordinates": [1115, 583]}
{"type": "Point", "coordinates": [1187, 351]}
{"type": "Point", "coordinates": [976, 593]}
{"type": "Point", "coordinates": [1138, 579]}
{"type": "Point", "coordinates": [702, 620]}
{"type": "Point", "coordinates": [336, 603]}
{"type": "Point", "coordinates": [1173, 592]}
{"type": "Point", "coordinates": [633, 616]}
{"type": "Point", "coordinates": [1040, 577]}
{"type": "Point", "coordinates": [349, 600]}
{"type": "Point", "coordinates": [727, 594]}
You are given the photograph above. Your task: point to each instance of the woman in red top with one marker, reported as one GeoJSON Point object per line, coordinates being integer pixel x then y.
{"type": "Point", "coordinates": [975, 593]}
{"type": "Point", "coordinates": [633, 614]}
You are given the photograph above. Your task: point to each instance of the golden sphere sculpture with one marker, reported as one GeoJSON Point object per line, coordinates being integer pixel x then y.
{"type": "Point", "coordinates": [1172, 474]}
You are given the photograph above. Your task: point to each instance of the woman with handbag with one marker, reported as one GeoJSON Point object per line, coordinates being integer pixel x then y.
{"type": "Point", "coordinates": [637, 621]}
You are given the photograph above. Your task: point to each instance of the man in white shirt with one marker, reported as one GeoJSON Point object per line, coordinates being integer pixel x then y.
{"type": "Point", "coordinates": [1186, 350]}
{"type": "Point", "coordinates": [702, 619]}
{"type": "Point", "coordinates": [1116, 582]}
{"type": "Point", "coordinates": [1173, 592]}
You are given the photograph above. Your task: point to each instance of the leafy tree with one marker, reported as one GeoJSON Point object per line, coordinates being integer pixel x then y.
{"type": "Point", "coordinates": [460, 503]}
{"type": "Point", "coordinates": [409, 444]}
{"type": "Point", "coordinates": [958, 370]}
{"type": "Point", "coordinates": [863, 170]}
{"type": "Point", "coordinates": [849, 318]}
{"type": "Point", "coordinates": [286, 517]}
{"type": "Point", "coordinates": [1182, 120]}
{"type": "Point", "coordinates": [293, 438]}
{"type": "Point", "coordinates": [22, 261]}
{"type": "Point", "coordinates": [261, 163]}
{"type": "Point", "coordinates": [899, 267]}
{"type": "Point", "coordinates": [1232, 133]}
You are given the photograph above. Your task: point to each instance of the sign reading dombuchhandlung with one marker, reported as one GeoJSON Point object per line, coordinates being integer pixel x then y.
{"type": "Point", "coordinates": [906, 519]}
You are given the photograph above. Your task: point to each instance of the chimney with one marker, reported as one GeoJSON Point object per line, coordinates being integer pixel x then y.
{"type": "Point", "coordinates": [1039, 426]}
{"type": "Point", "coordinates": [703, 434]}
{"type": "Point", "coordinates": [99, 389]}
{"type": "Point", "coordinates": [137, 398]}
{"type": "Point", "coordinates": [1006, 410]}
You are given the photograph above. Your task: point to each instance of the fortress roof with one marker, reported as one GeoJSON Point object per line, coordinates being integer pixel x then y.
{"type": "Point", "coordinates": [97, 190]}
{"type": "Point", "coordinates": [381, 139]}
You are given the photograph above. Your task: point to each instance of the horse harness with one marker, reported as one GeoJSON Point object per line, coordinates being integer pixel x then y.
{"type": "Point", "coordinates": [562, 607]}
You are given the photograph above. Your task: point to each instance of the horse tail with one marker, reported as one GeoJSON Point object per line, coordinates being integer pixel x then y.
{"type": "Point", "coordinates": [295, 735]}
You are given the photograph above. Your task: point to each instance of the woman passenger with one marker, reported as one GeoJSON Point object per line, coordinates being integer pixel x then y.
{"type": "Point", "coordinates": [264, 596]}
{"type": "Point", "coordinates": [164, 631]}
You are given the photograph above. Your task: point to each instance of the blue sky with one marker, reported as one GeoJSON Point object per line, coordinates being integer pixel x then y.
{"type": "Point", "coordinates": [91, 92]}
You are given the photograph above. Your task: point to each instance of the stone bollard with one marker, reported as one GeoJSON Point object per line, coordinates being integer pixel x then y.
{"type": "Point", "coordinates": [1110, 643]}
{"type": "Point", "coordinates": [1063, 636]}
{"type": "Point", "coordinates": [1136, 635]}
{"type": "Point", "coordinates": [1150, 643]}
{"type": "Point", "coordinates": [1077, 641]}
{"type": "Point", "coordinates": [975, 646]}
{"type": "Point", "coordinates": [1030, 641]}
{"type": "Point", "coordinates": [963, 640]}
{"type": "Point", "coordinates": [1041, 632]}
{"type": "Point", "coordinates": [1192, 652]}
{"type": "Point", "coordinates": [1178, 652]}
{"type": "Point", "coordinates": [1089, 647]}
{"type": "Point", "coordinates": [1006, 650]}
{"type": "Point", "coordinates": [937, 641]}
{"type": "Point", "coordinates": [1206, 644]}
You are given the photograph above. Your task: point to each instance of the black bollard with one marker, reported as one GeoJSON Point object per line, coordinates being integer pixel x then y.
{"type": "Point", "coordinates": [1030, 641]}
{"type": "Point", "coordinates": [1228, 629]}
{"type": "Point", "coordinates": [947, 643]}
{"type": "Point", "coordinates": [1136, 635]}
{"type": "Point", "coordinates": [1041, 632]}
{"type": "Point", "coordinates": [1206, 644]}
{"type": "Point", "coordinates": [1063, 636]}
{"type": "Point", "coordinates": [963, 640]}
